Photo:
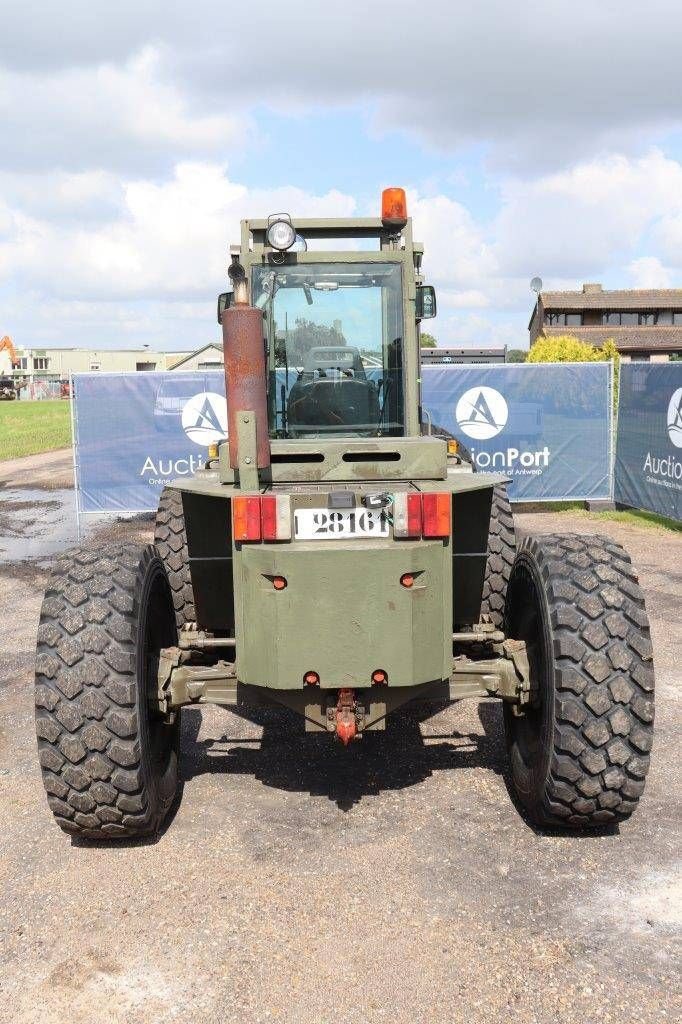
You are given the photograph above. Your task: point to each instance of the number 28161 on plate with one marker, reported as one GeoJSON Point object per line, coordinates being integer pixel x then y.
{"type": "Point", "coordinates": [339, 524]}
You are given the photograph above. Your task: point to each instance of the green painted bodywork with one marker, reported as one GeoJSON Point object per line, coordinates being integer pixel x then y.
{"type": "Point", "coordinates": [420, 458]}
{"type": "Point", "coordinates": [343, 613]}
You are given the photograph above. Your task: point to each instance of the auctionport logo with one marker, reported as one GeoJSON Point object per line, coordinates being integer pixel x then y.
{"type": "Point", "coordinates": [482, 413]}
{"type": "Point", "coordinates": [674, 418]}
{"type": "Point", "coordinates": [666, 470]}
{"type": "Point", "coordinates": [204, 418]}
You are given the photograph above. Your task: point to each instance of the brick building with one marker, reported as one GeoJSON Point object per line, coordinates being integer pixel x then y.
{"type": "Point", "coordinates": [645, 324]}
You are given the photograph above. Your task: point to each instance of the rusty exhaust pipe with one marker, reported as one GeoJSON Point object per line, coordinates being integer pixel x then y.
{"type": "Point", "coordinates": [245, 375]}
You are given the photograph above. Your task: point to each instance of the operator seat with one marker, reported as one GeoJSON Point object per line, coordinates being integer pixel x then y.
{"type": "Point", "coordinates": [333, 395]}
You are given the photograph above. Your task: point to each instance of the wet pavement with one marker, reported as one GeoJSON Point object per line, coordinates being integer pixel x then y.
{"type": "Point", "coordinates": [38, 512]}
{"type": "Point", "coordinates": [300, 883]}
{"type": "Point", "coordinates": [35, 524]}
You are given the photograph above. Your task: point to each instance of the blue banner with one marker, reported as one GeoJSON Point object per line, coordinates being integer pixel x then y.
{"type": "Point", "coordinates": [648, 472]}
{"type": "Point", "coordinates": [547, 427]}
{"type": "Point", "coordinates": [136, 432]}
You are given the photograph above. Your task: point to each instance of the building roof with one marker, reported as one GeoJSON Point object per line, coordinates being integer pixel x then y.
{"type": "Point", "coordinates": [627, 339]}
{"type": "Point", "coordinates": [446, 350]}
{"type": "Point", "coordinates": [197, 352]}
{"type": "Point", "coordinates": [596, 297]}
{"type": "Point", "coordinates": [81, 348]}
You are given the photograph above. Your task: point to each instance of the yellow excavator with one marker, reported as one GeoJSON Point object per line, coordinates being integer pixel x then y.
{"type": "Point", "coordinates": [9, 387]}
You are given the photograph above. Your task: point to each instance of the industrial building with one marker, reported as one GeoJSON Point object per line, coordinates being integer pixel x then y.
{"type": "Point", "coordinates": [463, 355]}
{"type": "Point", "coordinates": [210, 357]}
{"type": "Point", "coordinates": [60, 363]}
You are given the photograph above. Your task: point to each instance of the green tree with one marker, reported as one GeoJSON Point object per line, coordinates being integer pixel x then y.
{"type": "Point", "coordinates": [427, 340]}
{"type": "Point", "coordinates": [516, 355]}
{"type": "Point", "coordinates": [305, 335]}
{"type": "Point", "coordinates": [563, 348]}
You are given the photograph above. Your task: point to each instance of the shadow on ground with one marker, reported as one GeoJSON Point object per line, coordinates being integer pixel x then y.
{"type": "Point", "coordinates": [287, 758]}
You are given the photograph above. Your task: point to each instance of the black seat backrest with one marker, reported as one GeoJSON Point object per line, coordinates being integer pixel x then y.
{"type": "Point", "coordinates": [334, 357]}
{"type": "Point", "coordinates": [337, 404]}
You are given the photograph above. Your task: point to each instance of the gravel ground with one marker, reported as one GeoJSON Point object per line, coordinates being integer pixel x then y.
{"type": "Point", "coordinates": [298, 882]}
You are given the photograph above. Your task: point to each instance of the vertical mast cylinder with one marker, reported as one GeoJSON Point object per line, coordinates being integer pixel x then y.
{"type": "Point", "coordinates": [245, 377]}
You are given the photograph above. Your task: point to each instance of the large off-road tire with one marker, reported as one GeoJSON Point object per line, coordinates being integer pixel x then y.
{"type": "Point", "coordinates": [501, 551]}
{"type": "Point", "coordinates": [170, 538]}
{"type": "Point", "coordinates": [580, 754]}
{"type": "Point", "coordinates": [109, 760]}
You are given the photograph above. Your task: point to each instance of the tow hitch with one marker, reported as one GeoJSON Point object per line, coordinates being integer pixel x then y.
{"type": "Point", "coordinates": [347, 718]}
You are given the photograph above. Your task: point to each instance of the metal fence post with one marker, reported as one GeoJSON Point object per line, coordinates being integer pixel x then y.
{"type": "Point", "coordinates": [76, 468]}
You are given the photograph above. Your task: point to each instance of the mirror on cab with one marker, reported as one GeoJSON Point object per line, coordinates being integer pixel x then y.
{"type": "Point", "coordinates": [426, 301]}
{"type": "Point", "coordinates": [224, 302]}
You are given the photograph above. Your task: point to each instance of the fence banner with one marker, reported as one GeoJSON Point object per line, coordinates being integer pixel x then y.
{"type": "Point", "coordinates": [648, 472]}
{"type": "Point", "coordinates": [135, 432]}
{"type": "Point", "coordinates": [547, 426]}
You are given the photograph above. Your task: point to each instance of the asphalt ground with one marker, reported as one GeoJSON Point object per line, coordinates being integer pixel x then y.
{"type": "Point", "coordinates": [300, 882]}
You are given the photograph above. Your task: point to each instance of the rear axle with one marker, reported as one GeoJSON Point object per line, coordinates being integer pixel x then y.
{"type": "Point", "coordinates": [193, 673]}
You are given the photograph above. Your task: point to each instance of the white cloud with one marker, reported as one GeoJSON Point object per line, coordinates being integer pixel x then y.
{"type": "Point", "coordinates": [476, 330]}
{"type": "Point", "coordinates": [61, 196]}
{"type": "Point", "coordinates": [540, 85]}
{"type": "Point", "coordinates": [124, 117]}
{"type": "Point", "coordinates": [152, 272]}
{"type": "Point", "coordinates": [579, 222]}
{"type": "Point", "coordinates": [649, 272]}
{"type": "Point", "coordinates": [170, 240]}
{"type": "Point", "coordinates": [589, 222]}
{"type": "Point", "coordinates": [667, 234]}
{"type": "Point", "coordinates": [456, 253]}
{"type": "Point", "coordinates": [154, 264]}
{"type": "Point", "coordinates": [116, 209]}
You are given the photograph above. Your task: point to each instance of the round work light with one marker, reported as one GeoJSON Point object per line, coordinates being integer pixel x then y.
{"type": "Point", "coordinates": [281, 234]}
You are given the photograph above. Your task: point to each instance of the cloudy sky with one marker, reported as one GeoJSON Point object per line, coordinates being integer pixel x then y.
{"type": "Point", "coordinates": [533, 138]}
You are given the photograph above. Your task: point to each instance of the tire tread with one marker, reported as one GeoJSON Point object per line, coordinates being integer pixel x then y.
{"type": "Point", "coordinates": [85, 695]}
{"type": "Point", "coordinates": [501, 552]}
{"type": "Point", "coordinates": [170, 538]}
{"type": "Point", "coordinates": [603, 711]}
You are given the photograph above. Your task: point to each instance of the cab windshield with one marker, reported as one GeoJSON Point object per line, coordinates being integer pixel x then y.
{"type": "Point", "coordinates": [334, 336]}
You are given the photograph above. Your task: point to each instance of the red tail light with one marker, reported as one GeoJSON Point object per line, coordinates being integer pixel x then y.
{"type": "Point", "coordinates": [246, 518]}
{"type": "Point", "coordinates": [268, 507]}
{"type": "Point", "coordinates": [266, 518]}
{"type": "Point", "coordinates": [414, 515]}
{"type": "Point", "coordinates": [437, 515]}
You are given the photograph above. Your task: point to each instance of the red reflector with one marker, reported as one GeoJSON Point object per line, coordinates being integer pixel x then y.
{"type": "Point", "coordinates": [246, 518]}
{"type": "Point", "coordinates": [311, 678]}
{"type": "Point", "coordinates": [278, 582]}
{"type": "Point", "coordinates": [414, 515]}
{"type": "Point", "coordinates": [379, 677]}
{"type": "Point", "coordinates": [407, 579]}
{"type": "Point", "coordinates": [436, 512]}
{"type": "Point", "coordinates": [268, 508]}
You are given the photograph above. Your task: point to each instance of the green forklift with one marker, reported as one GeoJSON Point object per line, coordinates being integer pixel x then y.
{"type": "Point", "coordinates": [339, 556]}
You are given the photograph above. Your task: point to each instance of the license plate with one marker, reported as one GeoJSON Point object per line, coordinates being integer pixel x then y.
{"type": "Point", "coordinates": [341, 524]}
